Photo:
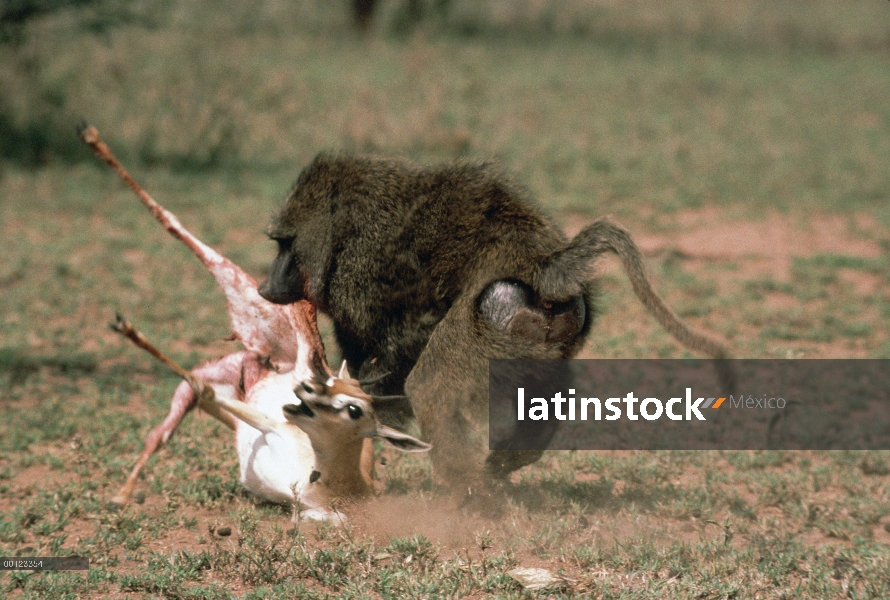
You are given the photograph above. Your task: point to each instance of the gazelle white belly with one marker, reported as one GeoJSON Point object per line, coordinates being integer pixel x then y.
{"type": "Point", "coordinates": [275, 465]}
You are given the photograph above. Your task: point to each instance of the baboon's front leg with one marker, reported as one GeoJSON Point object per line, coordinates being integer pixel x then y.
{"type": "Point", "coordinates": [443, 392]}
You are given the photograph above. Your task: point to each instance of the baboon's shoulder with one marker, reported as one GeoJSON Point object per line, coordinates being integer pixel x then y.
{"type": "Point", "coordinates": [447, 197]}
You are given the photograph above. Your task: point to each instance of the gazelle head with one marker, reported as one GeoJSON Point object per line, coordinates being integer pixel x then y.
{"type": "Point", "coordinates": [337, 410]}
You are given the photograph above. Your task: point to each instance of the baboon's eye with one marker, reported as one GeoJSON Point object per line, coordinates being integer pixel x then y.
{"type": "Point", "coordinates": [354, 411]}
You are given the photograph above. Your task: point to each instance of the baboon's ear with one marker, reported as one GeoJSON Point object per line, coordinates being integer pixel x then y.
{"type": "Point", "coordinates": [400, 440]}
{"type": "Point", "coordinates": [344, 372]}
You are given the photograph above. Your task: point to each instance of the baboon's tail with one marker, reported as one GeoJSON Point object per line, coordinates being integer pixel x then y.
{"type": "Point", "coordinates": [573, 263]}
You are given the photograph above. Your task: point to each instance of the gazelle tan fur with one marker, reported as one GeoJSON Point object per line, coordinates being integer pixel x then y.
{"type": "Point", "coordinates": [248, 390]}
{"type": "Point", "coordinates": [338, 416]}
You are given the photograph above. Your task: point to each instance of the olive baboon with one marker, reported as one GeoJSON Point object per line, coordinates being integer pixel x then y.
{"type": "Point", "coordinates": [429, 272]}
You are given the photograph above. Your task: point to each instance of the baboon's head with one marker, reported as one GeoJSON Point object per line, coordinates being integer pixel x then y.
{"type": "Point", "coordinates": [336, 410]}
{"type": "Point", "coordinates": [302, 230]}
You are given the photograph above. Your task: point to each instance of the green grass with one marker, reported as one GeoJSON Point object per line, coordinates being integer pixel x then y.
{"type": "Point", "coordinates": [674, 118]}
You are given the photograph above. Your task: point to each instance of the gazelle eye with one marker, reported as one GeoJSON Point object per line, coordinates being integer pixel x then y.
{"type": "Point", "coordinates": [354, 411]}
{"type": "Point", "coordinates": [308, 387]}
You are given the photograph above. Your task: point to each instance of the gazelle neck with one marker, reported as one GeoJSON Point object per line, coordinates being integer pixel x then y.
{"type": "Point", "coordinates": [341, 469]}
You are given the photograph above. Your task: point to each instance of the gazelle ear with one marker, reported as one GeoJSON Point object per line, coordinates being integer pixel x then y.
{"type": "Point", "coordinates": [400, 440]}
{"type": "Point", "coordinates": [344, 372]}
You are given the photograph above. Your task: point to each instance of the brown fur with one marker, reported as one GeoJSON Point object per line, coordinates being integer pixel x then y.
{"type": "Point", "coordinates": [429, 272]}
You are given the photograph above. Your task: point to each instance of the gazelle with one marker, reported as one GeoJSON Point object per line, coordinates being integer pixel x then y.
{"type": "Point", "coordinates": [313, 458]}
{"type": "Point", "coordinates": [283, 437]}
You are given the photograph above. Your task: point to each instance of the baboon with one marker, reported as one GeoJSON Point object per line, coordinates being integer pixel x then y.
{"type": "Point", "coordinates": [429, 272]}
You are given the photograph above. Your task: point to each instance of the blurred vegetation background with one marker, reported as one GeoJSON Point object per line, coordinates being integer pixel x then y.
{"type": "Point", "coordinates": [746, 145]}
{"type": "Point", "coordinates": [631, 108]}
{"type": "Point", "coordinates": [682, 101]}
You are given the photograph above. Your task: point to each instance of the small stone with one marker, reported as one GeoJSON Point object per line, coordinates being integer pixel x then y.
{"type": "Point", "coordinates": [534, 579]}
{"type": "Point", "coordinates": [224, 531]}
{"type": "Point", "coordinates": [139, 497]}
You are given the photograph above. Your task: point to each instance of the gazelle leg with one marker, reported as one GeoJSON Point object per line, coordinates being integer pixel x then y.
{"type": "Point", "coordinates": [244, 412]}
{"type": "Point", "coordinates": [264, 328]}
{"type": "Point", "coordinates": [224, 371]}
{"type": "Point", "coordinates": [184, 400]}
